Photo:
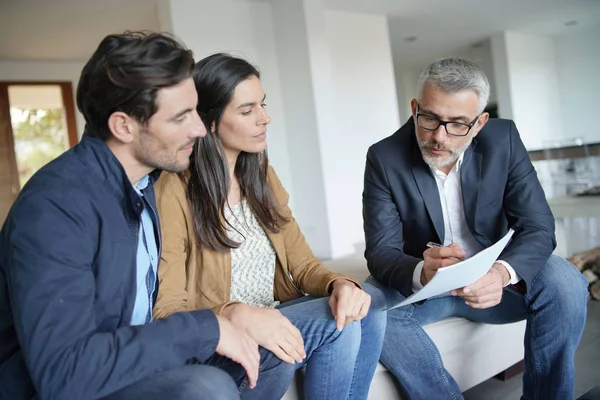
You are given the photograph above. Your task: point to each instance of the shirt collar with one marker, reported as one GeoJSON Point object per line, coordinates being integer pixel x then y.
{"type": "Point", "coordinates": [459, 161]}
{"type": "Point", "coordinates": [142, 184]}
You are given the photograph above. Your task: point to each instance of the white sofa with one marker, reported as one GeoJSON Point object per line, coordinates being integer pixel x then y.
{"type": "Point", "coordinates": [472, 352]}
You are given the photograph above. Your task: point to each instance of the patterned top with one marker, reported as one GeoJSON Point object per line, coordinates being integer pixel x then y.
{"type": "Point", "coordinates": [253, 263]}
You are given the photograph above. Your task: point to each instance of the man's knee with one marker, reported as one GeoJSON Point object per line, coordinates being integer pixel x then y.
{"type": "Point", "coordinates": [378, 298]}
{"type": "Point", "coordinates": [565, 285]}
{"type": "Point", "coordinates": [376, 319]}
{"type": "Point", "coordinates": [203, 381]}
{"type": "Point", "coordinates": [382, 297]}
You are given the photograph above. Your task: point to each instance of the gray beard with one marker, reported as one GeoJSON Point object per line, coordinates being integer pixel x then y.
{"type": "Point", "coordinates": [435, 162]}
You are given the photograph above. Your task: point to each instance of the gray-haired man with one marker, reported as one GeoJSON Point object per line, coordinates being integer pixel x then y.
{"type": "Point", "coordinates": [454, 176]}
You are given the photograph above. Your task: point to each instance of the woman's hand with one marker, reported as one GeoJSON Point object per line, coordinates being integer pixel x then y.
{"type": "Point", "coordinates": [348, 302]}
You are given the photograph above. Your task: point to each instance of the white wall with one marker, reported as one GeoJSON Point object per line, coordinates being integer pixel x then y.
{"type": "Point", "coordinates": [36, 71]}
{"type": "Point", "coordinates": [296, 77]}
{"type": "Point", "coordinates": [243, 29]}
{"type": "Point", "coordinates": [406, 81]}
{"type": "Point", "coordinates": [364, 111]}
{"type": "Point", "coordinates": [401, 94]}
{"type": "Point", "coordinates": [534, 93]}
{"type": "Point", "coordinates": [481, 53]}
{"type": "Point", "coordinates": [578, 68]}
{"type": "Point", "coordinates": [500, 66]}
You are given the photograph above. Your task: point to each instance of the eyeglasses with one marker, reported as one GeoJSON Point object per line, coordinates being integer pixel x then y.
{"type": "Point", "coordinates": [430, 123]}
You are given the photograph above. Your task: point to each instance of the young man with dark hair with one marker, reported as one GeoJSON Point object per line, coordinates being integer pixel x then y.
{"type": "Point", "coordinates": [79, 249]}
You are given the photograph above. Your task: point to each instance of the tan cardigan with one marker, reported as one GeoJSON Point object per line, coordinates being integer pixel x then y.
{"type": "Point", "coordinates": [190, 279]}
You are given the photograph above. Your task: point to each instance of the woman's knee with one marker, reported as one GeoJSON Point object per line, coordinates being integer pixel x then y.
{"type": "Point", "coordinates": [350, 337]}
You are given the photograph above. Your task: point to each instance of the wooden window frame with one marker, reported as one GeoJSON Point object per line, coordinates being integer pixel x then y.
{"type": "Point", "coordinates": [66, 89]}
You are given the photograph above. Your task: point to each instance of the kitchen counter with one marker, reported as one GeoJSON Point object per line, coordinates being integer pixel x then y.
{"type": "Point", "coordinates": [577, 223]}
{"type": "Point", "coordinates": [575, 206]}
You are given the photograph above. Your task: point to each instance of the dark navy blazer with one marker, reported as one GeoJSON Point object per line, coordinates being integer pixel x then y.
{"type": "Point", "coordinates": [68, 286]}
{"type": "Point", "coordinates": [500, 190]}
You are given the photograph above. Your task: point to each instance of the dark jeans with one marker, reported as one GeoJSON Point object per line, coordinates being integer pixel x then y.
{"type": "Point", "coordinates": [555, 309]}
{"type": "Point", "coordinates": [192, 382]}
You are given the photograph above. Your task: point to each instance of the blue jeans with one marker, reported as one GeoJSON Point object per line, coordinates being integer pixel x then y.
{"type": "Point", "coordinates": [339, 365]}
{"type": "Point", "coordinates": [555, 309]}
{"type": "Point", "coordinates": [191, 382]}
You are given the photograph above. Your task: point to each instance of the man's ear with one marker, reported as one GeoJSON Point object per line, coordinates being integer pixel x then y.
{"type": "Point", "coordinates": [122, 126]}
{"type": "Point", "coordinates": [413, 107]}
{"type": "Point", "coordinates": [481, 121]}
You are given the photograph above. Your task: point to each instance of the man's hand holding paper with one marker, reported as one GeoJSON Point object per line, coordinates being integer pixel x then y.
{"type": "Point", "coordinates": [487, 291]}
{"type": "Point", "coordinates": [438, 257]}
{"type": "Point", "coordinates": [445, 274]}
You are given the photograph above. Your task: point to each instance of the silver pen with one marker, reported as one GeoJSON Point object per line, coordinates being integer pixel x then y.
{"type": "Point", "coordinates": [431, 245]}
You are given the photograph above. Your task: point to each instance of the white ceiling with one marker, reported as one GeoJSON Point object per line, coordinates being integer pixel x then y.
{"type": "Point", "coordinates": [446, 26]}
{"type": "Point", "coordinates": [67, 29]}
{"type": "Point", "coordinates": [71, 29]}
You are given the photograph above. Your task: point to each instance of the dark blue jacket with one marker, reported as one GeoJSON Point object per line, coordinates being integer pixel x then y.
{"type": "Point", "coordinates": [68, 286]}
{"type": "Point", "coordinates": [500, 190]}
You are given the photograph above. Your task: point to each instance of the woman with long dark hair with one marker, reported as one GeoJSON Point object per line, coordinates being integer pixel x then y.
{"type": "Point", "coordinates": [230, 243]}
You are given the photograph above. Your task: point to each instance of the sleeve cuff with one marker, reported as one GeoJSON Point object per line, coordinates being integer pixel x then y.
{"type": "Point", "coordinates": [514, 277]}
{"type": "Point", "coordinates": [209, 333]}
{"type": "Point", "coordinates": [416, 281]}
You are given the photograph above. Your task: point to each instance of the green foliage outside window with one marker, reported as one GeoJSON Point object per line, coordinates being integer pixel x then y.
{"type": "Point", "coordinates": [40, 136]}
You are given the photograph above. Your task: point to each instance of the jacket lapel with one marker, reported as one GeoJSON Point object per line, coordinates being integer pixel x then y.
{"type": "Point", "coordinates": [278, 246]}
{"type": "Point", "coordinates": [430, 195]}
{"type": "Point", "coordinates": [470, 176]}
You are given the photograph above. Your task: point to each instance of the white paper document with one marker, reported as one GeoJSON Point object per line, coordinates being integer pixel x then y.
{"type": "Point", "coordinates": [460, 274]}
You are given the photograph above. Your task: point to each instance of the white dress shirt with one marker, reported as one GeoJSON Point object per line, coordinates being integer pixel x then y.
{"type": "Point", "coordinates": [455, 223]}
